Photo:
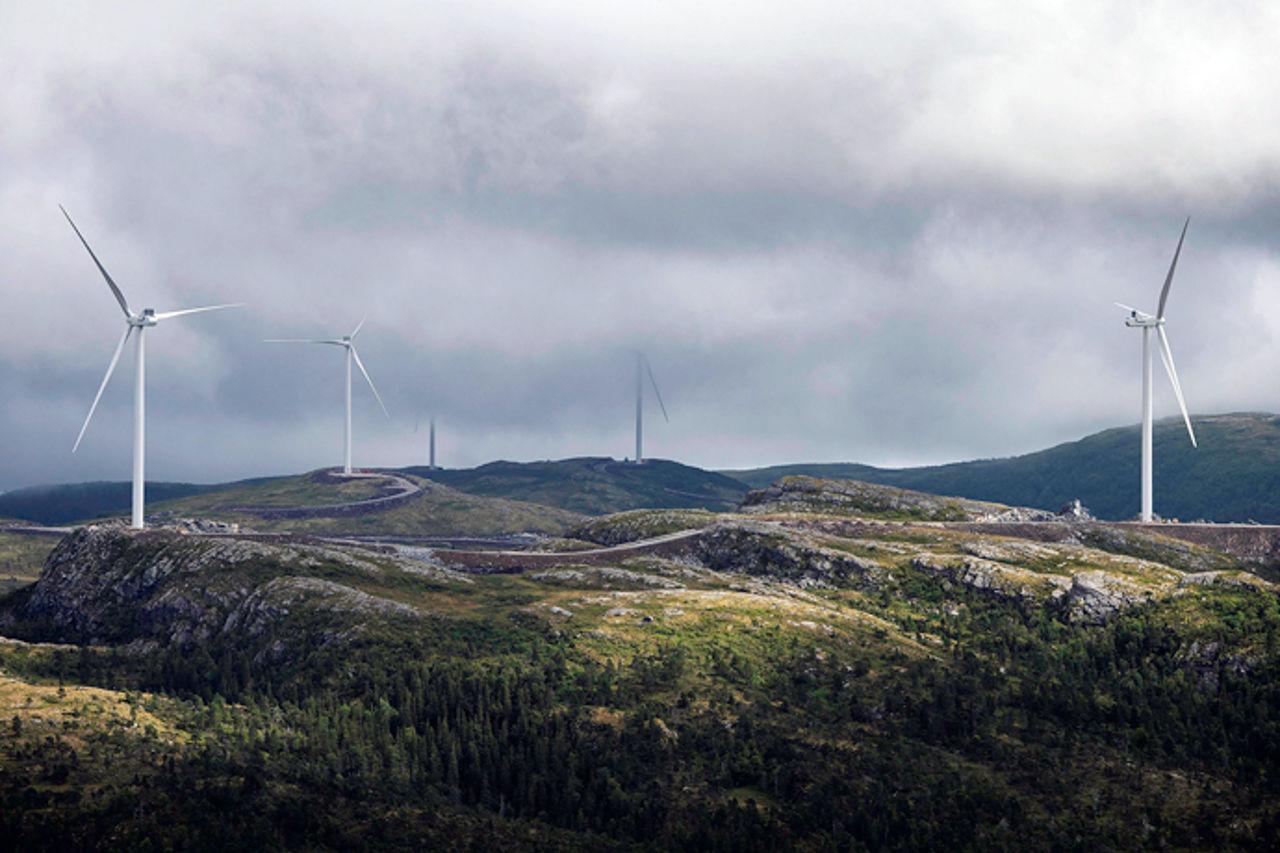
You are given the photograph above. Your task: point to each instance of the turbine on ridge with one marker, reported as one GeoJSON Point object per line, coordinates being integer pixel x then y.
{"type": "Point", "coordinates": [1142, 320]}
{"type": "Point", "coordinates": [642, 367]}
{"type": "Point", "coordinates": [134, 322]}
{"type": "Point", "coordinates": [348, 344]}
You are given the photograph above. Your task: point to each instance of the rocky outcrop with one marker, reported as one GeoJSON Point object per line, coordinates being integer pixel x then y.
{"type": "Point", "coordinates": [996, 579]}
{"type": "Point", "coordinates": [634, 525]}
{"type": "Point", "coordinates": [852, 497]}
{"type": "Point", "coordinates": [109, 583]}
{"type": "Point", "coordinates": [762, 549]}
{"type": "Point", "coordinates": [1095, 597]}
{"type": "Point", "coordinates": [604, 577]}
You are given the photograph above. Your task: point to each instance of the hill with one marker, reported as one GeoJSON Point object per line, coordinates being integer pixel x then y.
{"type": "Point", "coordinates": [596, 485]}
{"type": "Point", "coordinates": [68, 502]}
{"type": "Point", "coordinates": [797, 677]}
{"type": "Point", "coordinates": [324, 503]}
{"type": "Point", "coordinates": [1234, 475]}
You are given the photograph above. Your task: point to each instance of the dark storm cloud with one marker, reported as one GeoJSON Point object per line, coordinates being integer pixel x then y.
{"type": "Point", "coordinates": [887, 234]}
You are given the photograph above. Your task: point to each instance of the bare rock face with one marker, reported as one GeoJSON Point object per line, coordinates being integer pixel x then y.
{"type": "Point", "coordinates": [996, 579]}
{"type": "Point", "coordinates": [852, 497]}
{"type": "Point", "coordinates": [761, 549]}
{"type": "Point", "coordinates": [1075, 511]}
{"type": "Point", "coordinates": [1095, 597]}
{"type": "Point", "coordinates": [109, 583]}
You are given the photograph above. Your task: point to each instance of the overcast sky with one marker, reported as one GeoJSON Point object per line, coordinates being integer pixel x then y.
{"type": "Point", "coordinates": [886, 233]}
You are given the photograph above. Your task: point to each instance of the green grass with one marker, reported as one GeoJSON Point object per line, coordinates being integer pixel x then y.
{"type": "Point", "coordinates": [300, 491]}
{"type": "Point", "coordinates": [439, 511]}
{"type": "Point", "coordinates": [596, 486]}
{"type": "Point", "coordinates": [21, 558]}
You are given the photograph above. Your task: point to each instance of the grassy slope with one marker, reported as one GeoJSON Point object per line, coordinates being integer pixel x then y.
{"type": "Point", "coordinates": [21, 558]}
{"type": "Point", "coordinates": [440, 511]}
{"type": "Point", "coordinates": [1233, 476]}
{"type": "Point", "coordinates": [595, 486]}
{"type": "Point", "coordinates": [311, 489]}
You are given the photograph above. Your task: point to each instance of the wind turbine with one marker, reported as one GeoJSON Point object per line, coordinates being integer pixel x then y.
{"type": "Point", "coordinates": [431, 440]}
{"type": "Point", "coordinates": [140, 323]}
{"type": "Point", "coordinates": [642, 367]}
{"type": "Point", "coordinates": [347, 343]}
{"type": "Point", "coordinates": [1144, 321]}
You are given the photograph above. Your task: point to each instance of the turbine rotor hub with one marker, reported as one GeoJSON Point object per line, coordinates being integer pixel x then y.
{"type": "Point", "coordinates": [146, 318]}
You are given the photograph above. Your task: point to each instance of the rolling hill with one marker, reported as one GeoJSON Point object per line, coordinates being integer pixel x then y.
{"type": "Point", "coordinates": [588, 486]}
{"type": "Point", "coordinates": [802, 676]}
{"type": "Point", "coordinates": [1234, 475]}
{"type": "Point", "coordinates": [320, 503]}
{"type": "Point", "coordinates": [67, 502]}
{"type": "Point", "coordinates": [596, 485]}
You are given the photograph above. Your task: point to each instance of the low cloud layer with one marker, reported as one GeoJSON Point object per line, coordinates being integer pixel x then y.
{"type": "Point", "coordinates": [888, 234]}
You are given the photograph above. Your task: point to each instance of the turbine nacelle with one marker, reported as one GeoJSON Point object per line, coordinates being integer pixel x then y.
{"type": "Point", "coordinates": [1138, 320]}
{"type": "Point", "coordinates": [146, 318]}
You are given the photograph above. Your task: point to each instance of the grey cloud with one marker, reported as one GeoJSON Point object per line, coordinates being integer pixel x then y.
{"type": "Point", "coordinates": [887, 236]}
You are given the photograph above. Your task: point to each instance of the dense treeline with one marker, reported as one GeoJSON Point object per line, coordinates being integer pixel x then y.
{"type": "Point", "coordinates": [1020, 731]}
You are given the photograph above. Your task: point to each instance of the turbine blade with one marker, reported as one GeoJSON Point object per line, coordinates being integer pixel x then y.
{"type": "Point", "coordinates": [165, 315]}
{"type": "Point", "coordinates": [105, 379]}
{"type": "Point", "coordinates": [1168, 279]}
{"type": "Point", "coordinates": [359, 326]}
{"type": "Point", "coordinates": [377, 396]}
{"type": "Point", "coordinates": [1166, 355]}
{"type": "Point", "coordinates": [124, 306]}
{"type": "Point", "coordinates": [1128, 308]}
{"type": "Point", "coordinates": [656, 392]}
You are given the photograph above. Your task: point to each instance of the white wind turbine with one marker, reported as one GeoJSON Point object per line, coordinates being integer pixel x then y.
{"type": "Point", "coordinates": [348, 344]}
{"type": "Point", "coordinates": [642, 367]}
{"type": "Point", "coordinates": [1144, 321]}
{"type": "Point", "coordinates": [139, 323]}
{"type": "Point", "coordinates": [431, 439]}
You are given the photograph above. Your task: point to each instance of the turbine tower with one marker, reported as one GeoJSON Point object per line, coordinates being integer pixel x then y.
{"type": "Point", "coordinates": [348, 344]}
{"type": "Point", "coordinates": [431, 439]}
{"type": "Point", "coordinates": [138, 322]}
{"type": "Point", "coordinates": [1146, 322]}
{"type": "Point", "coordinates": [642, 367]}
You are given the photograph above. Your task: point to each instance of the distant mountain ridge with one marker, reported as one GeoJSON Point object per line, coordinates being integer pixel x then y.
{"type": "Point", "coordinates": [1234, 475]}
{"type": "Point", "coordinates": [62, 503]}
{"type": "Point", "coordinates": [595, 485]}
{"type": "Point", "coordinates": [585, 485]}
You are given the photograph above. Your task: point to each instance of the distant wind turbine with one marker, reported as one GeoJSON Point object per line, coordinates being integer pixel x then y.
{"type": "Point", "coordinates": [642, 367]}
{"type": "Point", "coordinates": [347, 343]}
{"type": "Point", "coordinates": [1142, 320]}
{"type": "Point", "coordinates": [431, 441]}
{"type": "Point", "coordinates": [139, 322]}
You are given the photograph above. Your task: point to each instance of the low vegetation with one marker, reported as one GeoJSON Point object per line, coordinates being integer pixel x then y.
{"type": "Point", "coordinates": [596, 486]}
{"type": "Point", "coordinates": [805, 680]}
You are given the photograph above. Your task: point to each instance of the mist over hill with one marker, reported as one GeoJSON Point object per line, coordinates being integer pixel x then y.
{"type": "Point", "coordinates": [1234, 475]}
